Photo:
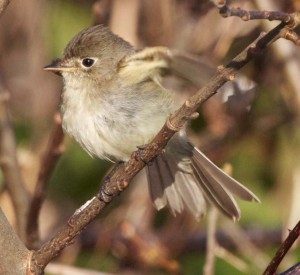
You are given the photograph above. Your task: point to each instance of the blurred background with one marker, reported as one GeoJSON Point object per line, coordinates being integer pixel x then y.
{"type": "Point", "coordinates": [256, 132]}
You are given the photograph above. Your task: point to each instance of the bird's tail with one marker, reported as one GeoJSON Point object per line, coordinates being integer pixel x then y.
{"type": "Point", "coordinates": [183, 177]}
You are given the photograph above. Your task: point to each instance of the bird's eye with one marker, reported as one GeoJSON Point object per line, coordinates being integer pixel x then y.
{"type": "Point", "coordinates": [87, 62]}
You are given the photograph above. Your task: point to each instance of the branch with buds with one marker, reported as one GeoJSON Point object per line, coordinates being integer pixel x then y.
{"type": "Point", "coordinates": [291, 20]}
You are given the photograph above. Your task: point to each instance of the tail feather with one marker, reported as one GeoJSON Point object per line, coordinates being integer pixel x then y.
{"type": "Point", "coordinates": [161, 186]}
{"type": "Point", "coordinates": [156, 187]}
{"type": "Point", "coordinates": [191, 193]}
{"type": "Point", "coordinates": [173, 196]}
{"type": "Point", "coordinates": [214, 173]}
{"type": "Point", "coordinates": [186, 185]}
{"type": "Point", "coordinates": [217, 195]}
{"type": "Point", "coordinates": [179, 191]}
{"type": "Point", "coordinates": [183, 176]}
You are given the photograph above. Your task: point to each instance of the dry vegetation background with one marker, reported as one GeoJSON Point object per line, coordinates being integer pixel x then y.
{"type": "Point", "coordinates": [262, 144]}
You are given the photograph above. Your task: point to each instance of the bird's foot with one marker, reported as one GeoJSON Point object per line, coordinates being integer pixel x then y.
{"type": "Point", "coordinates": [137, 155]}
{"type": "Point", "coordinates": [104, 193]}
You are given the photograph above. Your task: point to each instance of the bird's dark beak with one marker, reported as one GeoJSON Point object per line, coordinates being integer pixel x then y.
{"type": "Point", "coordinates": [57, 66]}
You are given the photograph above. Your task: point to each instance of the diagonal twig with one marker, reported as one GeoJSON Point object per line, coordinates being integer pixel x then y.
{"type": "Point", "coordinates": [120, 177]}
{"type": "Point", "coordinates": [283, 249]}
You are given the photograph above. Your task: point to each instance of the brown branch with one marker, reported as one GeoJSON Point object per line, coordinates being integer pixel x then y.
{"type": "Point", "coordinates": [3, 5]}
{"type": "Point", "coordinates": [119, 178]}
{"type": "Point", "coordinates": [246, 15]}
{"type": "Point", "coordinates": [283, 249]}
{"type": "Point", "coordinates": [290, 35]}
{"type": "Point", "coordinates": [10, 168]}
{"type": "Point", "coordinates": [48, 163]}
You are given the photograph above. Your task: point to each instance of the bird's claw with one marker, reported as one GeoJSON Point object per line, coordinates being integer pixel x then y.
{"type": "Point", "coordinates": [137, 154]}
{"type": "Point", "coordinates": [103, 195]}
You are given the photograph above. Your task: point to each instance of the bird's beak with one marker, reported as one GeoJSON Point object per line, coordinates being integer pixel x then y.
{"type": "Point", "coordinates": [58, 66]}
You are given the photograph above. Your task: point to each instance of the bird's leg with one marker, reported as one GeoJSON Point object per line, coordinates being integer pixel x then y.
{"type": "Point", "coordinates": [137, 154]}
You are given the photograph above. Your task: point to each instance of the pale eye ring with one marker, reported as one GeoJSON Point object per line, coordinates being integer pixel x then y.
{"type": "Point", "coordinates": [88, 62]}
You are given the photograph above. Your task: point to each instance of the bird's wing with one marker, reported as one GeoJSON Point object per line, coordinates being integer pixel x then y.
{"type": "Point", "coordinates": [155, 62]}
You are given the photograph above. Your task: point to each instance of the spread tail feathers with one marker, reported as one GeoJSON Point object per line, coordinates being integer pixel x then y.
{"type": "Point", "coordinates": [183, 177]}
{"type": "Point", "coordinates": [175, 188]}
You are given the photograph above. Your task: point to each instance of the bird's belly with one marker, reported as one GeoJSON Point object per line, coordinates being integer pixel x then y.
{"type": "Point", "coordinates": [120, 136]}
{"type": "Point", "coordinates": [112, 137]}
{"type": "Point", "coordinates": [112, 126]}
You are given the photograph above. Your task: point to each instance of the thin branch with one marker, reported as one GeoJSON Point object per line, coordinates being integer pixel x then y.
{"type": "Point", "coordinates": [283, 249]}
{"type": "Point", "coordinates": [10, 167]}
{"type": "Point", "coordinates": [48, 163]}
{"type": "Point", "coordinates": [78, 221]}
{"type": "Point", "coordinates": [3, 5]}
{"type": "Point", "coordinates": [246, 15]}
{"type": "Point", "coordinates": [291, 36]}
{"type": "Point", "coordinates": [119, 178]}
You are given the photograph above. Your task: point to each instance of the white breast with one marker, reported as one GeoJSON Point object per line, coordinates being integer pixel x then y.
{"type": "Point", "coordinates": [112, 126]}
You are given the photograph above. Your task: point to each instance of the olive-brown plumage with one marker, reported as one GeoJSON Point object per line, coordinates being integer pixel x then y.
{"type": "Point", "coordinates": [113, 101]}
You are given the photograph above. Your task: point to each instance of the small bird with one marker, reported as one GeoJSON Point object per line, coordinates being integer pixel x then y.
{"type": "Point", "coordinates": [113, 101]}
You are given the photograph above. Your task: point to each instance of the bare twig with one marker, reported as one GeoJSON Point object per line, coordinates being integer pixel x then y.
{"type": "Point", "coordinates": [10, 167]}
{"type": "Point", "coordinates": [291, 20]}
{"type": "Point", "coordinates": [119, 179]}
{"type": "Point", "coordinates": [283, 249]}
{"type": "Point", "coordinates": [3, 5]}
{"type": "Point", "coordinates": [291, 36]}
{"type": "Point", "coordinates": [64, 237]}
{"type": "Point", "coordinates": [246, 15]}
{"type": "Point", "coordinates": [48, 163]}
